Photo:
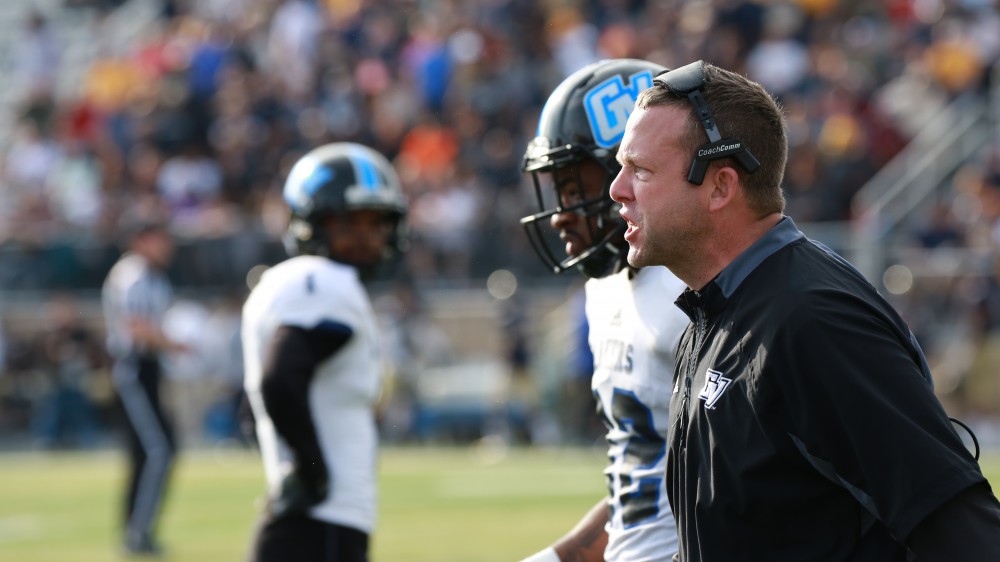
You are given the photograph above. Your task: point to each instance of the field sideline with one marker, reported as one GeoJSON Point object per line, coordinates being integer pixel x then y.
{"type": "Point", "coordinates": [437, 504]}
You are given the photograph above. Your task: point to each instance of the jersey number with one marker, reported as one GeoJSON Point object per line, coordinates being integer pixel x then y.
{"type": "Point", "coordinates": [644, 449]}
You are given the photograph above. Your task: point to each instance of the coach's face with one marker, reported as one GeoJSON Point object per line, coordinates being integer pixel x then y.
{"type": "Point", "coordinates": [666, 215]}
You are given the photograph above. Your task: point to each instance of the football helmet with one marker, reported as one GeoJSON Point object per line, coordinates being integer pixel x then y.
{"type": "Point", "coordinates": [584, 119]}
{"type": "Point", "coordinates": [337, 179]}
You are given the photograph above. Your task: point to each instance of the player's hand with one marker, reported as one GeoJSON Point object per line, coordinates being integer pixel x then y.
{"type": "Point", "coordinates": [297, 494]}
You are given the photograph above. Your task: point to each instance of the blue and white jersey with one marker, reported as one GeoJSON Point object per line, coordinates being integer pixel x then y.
{"type": "Point", "coordinates": [634, 331]}
{"type": "Point", "coordinates": [305, 291]}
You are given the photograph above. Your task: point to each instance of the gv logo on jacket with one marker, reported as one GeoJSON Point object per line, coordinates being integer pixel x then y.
{"type": "Point", "coordinates": [715, 385]}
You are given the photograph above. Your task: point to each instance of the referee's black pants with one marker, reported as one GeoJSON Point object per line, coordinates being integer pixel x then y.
{"type": "Point", "coordinates": [151, 444]}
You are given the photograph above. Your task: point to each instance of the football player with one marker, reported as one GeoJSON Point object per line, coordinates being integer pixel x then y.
{"type": "Point", "coordinates": [313, 366]}
{"type": "Point", "coordinates": [634, 326]}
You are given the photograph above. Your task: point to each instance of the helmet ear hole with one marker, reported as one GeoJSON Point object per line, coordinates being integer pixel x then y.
{"type": "Point", "coordinates": [300, 229]}
{"type": "Point", "coordinates": [304, 237]}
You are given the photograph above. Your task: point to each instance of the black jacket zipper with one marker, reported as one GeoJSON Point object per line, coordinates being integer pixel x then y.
{"type": "Point", "coordinates": [689, 371]}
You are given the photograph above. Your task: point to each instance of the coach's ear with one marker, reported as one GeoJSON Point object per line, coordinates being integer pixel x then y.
{"type": "Point", "coordinates": [724, 186]}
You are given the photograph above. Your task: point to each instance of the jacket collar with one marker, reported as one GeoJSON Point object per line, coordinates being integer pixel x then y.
{"type": "Point", "coordinates": [715, 294]}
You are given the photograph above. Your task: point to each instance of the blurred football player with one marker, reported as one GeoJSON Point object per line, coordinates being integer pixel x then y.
{"type": "Point", "coordinates": [634, 327]}
{"type": "Point", "coordinates": [313, 359]}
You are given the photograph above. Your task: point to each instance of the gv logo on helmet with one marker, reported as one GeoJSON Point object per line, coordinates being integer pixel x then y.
{"type": "Point", "coordinates": [609, 104]}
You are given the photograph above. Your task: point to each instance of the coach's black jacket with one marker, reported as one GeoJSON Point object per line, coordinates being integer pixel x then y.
{"type": "Point", "coordinates": [804, 424]}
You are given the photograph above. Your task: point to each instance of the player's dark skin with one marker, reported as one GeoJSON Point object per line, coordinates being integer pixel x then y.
{"type": "Point", "coordinates": [576, 183]}
{"type": "Point", "coordinates": [585, 542]}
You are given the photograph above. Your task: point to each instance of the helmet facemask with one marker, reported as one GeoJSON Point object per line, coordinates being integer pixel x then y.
{"type": "Point", "coordinates": [558, 189]}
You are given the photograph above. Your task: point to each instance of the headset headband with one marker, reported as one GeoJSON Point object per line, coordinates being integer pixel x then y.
{"type": "Point", "coordinates": [689, 80]}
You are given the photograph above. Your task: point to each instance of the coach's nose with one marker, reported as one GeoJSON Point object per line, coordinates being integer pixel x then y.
{"type": "Point", "coordinates": [621, 186]}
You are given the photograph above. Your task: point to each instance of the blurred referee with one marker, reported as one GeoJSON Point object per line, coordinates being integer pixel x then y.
{"type": "Point", "coordinates": [135, 296]}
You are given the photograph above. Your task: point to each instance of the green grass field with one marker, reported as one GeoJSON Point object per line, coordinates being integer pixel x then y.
{"type": "Point", "coordinates": [460, 504]}
{"type": "Point", "coordinates": [442, 505]}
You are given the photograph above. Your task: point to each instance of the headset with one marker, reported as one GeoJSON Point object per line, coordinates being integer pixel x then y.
{"type": "Point", "coordinates": [689, 80]}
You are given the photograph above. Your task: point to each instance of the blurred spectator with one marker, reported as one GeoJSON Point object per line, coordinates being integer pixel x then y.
{"type": "Point", "coordinates": [21, 385]}
{"type": "Point", "coordinates": [521, 389]}
{"type": "Point", "coordinates": [36, 57]}
{"type": "Point", "coordinates": [576, 397]}
{"type": "Point", "coordinates": [189, 181]}
{"type": "Point", "coordinates": [30, 160]}
{"type": "Point", "coordinates": [779, 61]}
{"type": "Point", "coordinates": [445, 214]}
{"type": "Point", "coordinates": [73, 188]}
{"type": "Point", "coordinates": [572, 38]}
{"type": "Point", "coordinates": [228, 409]}
{"type": "Point", "coordinates": [204, 108]}
{"type": "Point", "coordinates": [214, 98]}
{"type": "Point", "coordinates": [413, 343]}
{"type": "Point", "coordinates": [72, 358]}
{"type": "Point", "coordinates": [942, 229]}
{"type": "Point", "coordinates": [291, 45]}
{"type": "Point", "coordinates": [185, 322]}
{"type": "Point", "coordinates": [3, 349]}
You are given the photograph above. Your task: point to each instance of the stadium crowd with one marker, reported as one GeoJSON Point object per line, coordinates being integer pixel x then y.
{"type": "Point", "coordinates": [201, 116]}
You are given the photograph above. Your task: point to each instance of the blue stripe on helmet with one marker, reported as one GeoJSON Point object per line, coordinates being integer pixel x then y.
{"type": "Point", "coordinates": [366, 171]}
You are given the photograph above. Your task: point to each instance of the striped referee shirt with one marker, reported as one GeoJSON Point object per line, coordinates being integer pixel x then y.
{"type": "Point", "coordinates": [133, 289]}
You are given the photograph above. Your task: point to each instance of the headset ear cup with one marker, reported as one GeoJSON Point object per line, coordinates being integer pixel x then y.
{"type": "Point", "coordinates": [696, 174]}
